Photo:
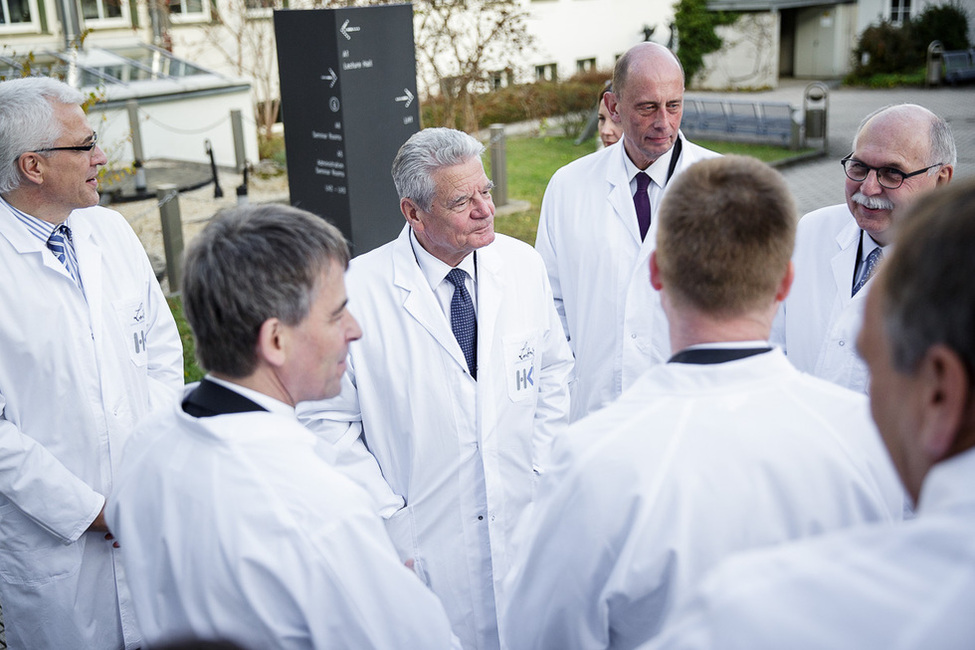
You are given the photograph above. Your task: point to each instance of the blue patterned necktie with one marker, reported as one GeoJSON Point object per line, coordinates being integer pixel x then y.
{"type": "Point", "coordinates": [59, 243]}
{"type": "Point", "coordinates": [462, 319]}
{"type": "Point", "coordinates": [869, 266]}
{"type": "Point", "coordinates": [641, 201]}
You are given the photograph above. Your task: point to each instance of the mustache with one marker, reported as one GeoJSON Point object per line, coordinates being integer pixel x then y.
{"type": "Point", "coordinates": [872, 202]}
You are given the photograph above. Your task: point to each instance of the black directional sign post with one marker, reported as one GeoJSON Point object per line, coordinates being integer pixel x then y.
{"type": "Point", "coordinates": [348, 99]}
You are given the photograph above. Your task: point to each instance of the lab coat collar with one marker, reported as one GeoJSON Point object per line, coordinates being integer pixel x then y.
{"type": "Point", "coordinates": [682, 378]}
{"type": "Point", "coordinates": [419, 300]}
{"type": "Point", "coordinates": [949, 486]}
{"type": "Point", "coordinates": [844, 261]}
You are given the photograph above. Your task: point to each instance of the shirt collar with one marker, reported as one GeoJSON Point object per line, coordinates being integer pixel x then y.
{"type": "Point", "coordinates": [657, 171]}
{"type": "Point", "coordinates": [434, 269]}
{"type": "Point", "coordinates": [38, 228]}
{"type": "Point", "coordinates": [273, 405]}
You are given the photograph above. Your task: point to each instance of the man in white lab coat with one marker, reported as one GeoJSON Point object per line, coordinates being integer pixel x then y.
{"type": "Point", "coordinates": [911, 586]}
{"type": "Point", "coordinates": [595, 240]}
{"type": "Point", "coordinates": [898, 153]}
{"type": "Point", "coordinates": [458, 413]}
{"type": "Point", "coordinates": [724, 448]}
{"type": "Point", "coordinates": [87, 346]}
{"type": "Point", "coordinates": [231, 526]}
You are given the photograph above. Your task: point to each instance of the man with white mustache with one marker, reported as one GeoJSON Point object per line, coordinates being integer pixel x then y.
{"type": "Point", "coordinates": [899, 152]}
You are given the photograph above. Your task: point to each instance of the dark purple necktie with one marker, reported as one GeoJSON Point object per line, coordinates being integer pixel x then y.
{"type": "Point", "coordinates": [641, 201]}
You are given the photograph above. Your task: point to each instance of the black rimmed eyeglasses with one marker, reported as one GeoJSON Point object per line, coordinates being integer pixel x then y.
{"type": "Point", "coordinates": [888, 177]}
{"type": "Point", "coordinates": [81, 147]}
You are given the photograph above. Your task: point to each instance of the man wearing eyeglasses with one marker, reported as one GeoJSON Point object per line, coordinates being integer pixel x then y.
{"type": "Point", "coordinates": [899, 152]}
{"type": "Point", "coordinates": [87, 347]}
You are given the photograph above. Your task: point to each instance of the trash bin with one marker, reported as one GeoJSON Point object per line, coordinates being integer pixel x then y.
{"type": "Point", "coordinates": [934, 62]}
{"type": "Point", "coordinates": [814, 105]}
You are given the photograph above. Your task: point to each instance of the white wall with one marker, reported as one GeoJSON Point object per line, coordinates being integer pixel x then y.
{"type": "Point", "coordinates": [176, 129]}
{"type": "Point", "coordinates": [749, 58]}
{"type": "Point", "coordinates": [569, 30]}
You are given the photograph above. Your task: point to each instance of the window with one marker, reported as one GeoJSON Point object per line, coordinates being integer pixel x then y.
{"type": "Point", "coordinates": [263, 8]}
{"type": "Point", "coordinates": [585, 65]}
{"type": "Point", "coordinates": [900, 11]}
{"type": "Point", "coordinates": [18, 16]}
{"type": "Point", "coordinates": [502, 79]}
{"type": "Point", "coordinates": [95, 11]}
{"type": "Point", "coordinates": [182, 11]}
{"type": "Point", "coordinates": [546, 72]}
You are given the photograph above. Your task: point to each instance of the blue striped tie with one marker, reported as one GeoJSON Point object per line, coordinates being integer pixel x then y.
{"type": "Point", "coordinates": [59, 243]}
{"type": "Point", "coordinates": [870, 265]}
{"type": "Point", "coordinates": [462, 319]}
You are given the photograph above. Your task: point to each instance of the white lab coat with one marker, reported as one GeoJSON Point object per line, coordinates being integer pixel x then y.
{"type": "Point", "coordinates": [231, 527]}
{"type": "Point", "coordinates": [818, 323]}
{"type": "Point", "coordinates": [692, 463]}
{"type": "Point", "coordinates": [910, 587]}
{"type": "Point", "coordinates": [600, 274]}
{"type": "Point", "coordinates": [462, 453]}
{"type": "Point", "coordinates": [75, 376]}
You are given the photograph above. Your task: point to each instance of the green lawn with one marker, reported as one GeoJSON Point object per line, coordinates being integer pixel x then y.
{"type": "Point", "coordinates": [531, 163]}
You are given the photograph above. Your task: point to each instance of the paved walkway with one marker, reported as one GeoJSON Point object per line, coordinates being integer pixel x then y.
{"type": "Point", "coordinates": [819, 182]}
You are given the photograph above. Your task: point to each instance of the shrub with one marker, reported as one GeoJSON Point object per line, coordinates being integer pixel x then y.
{"type": "Point", "coordinates": [947, 23]}
{"type": "Point", "coordinates": [523, 102]}
{"type": "Point", "coordinates": [884, 48]}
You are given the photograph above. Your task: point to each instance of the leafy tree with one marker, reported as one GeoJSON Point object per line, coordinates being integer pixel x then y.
{"type": "Point", "coordinates": [695, 33]}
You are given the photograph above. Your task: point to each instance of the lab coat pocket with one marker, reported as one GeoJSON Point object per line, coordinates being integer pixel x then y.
{"type": "Point", "coordinates": [29, 555]}
{"type": "Point", "coordinates": [402, 531]}
{"type": "Point", "coordinates": [132, 319]}
{"type": "Point", "coordinates": [521, 354]}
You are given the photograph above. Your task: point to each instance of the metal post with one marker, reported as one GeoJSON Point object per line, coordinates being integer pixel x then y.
{"type": "Point", "coordinates": [242, 189]}
{"type": "Point", "coordinates": [140, 173]}
{"type": "Point", "coordinates": [217, 190]}
{"type": "Point", "coordinates": [499, 165]}
{"type": "Point", "coordinates": [237, 122]}
{"type": "Point", "coordinates": [172, 232]}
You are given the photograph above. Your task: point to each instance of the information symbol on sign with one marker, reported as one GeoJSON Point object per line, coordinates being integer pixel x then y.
{"type": "Point", "coordinates": [333, 103]}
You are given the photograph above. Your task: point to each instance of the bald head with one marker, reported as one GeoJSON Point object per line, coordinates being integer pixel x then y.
{"type": "Point", "coordinates": [646, 59]}
{"type": "Point", "coordinates": [647, 101]}
{"type": "Point", "coordinates": [915, 119]}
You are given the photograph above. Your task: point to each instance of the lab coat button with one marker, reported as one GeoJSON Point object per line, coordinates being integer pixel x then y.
{"type": "Point", "coordinates": [842, 343]}
{"type": "Point", "coordinates": [480, 517]}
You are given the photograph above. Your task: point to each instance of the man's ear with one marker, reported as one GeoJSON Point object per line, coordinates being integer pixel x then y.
{"type": "Point", "coordinates": [612, 105]}
{"type": "Point", "coordinates": [31, 167]}
{"type": "Point", "coordinates": [945, 402]}
{"type": "Point", "coordinates": [654, 270]}
{"type": "Point", "coordinates": [411, 211]}
{"type": "Point", "coordinates": [272, 342]}
{"type": "Point", "coordinates": [785, 285]}
{"type": "Point", "coordinates": [945, 174]}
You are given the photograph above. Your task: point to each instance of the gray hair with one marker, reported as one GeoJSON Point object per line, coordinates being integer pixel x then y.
{"type": "Point", "coordinates": [250, 264]}
{"type": "Point", "coordinates": [928, 295]}
{"type": "Point", "coordinates": [940, 138]}
{"type": "Point", "coordinates": [425, 153]}
{"type": "Point", "coordinates": [27, 121]}
{"type": "Point", "coordinates": [622, 69]}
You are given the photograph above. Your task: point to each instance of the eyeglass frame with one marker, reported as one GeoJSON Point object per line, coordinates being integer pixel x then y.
{"type": "Point", "coordinates": [80, 147]}
{"type": "Point", "coordinates": [904, 175]}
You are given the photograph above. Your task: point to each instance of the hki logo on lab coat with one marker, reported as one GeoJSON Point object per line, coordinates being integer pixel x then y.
{"type": "Point", "coordinates": [525, 368]}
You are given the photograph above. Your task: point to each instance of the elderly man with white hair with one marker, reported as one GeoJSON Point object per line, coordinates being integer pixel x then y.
{"type": "Point", "coordinates": [898, 153]}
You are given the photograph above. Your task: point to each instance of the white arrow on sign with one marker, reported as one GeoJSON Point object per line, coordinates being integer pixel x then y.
{"type": "Point", "coordinates": [331, 77]}
{"type": "Point", "coordinates": [408, 98]}
{"type": "Point", "coordinates": [345, 29]}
